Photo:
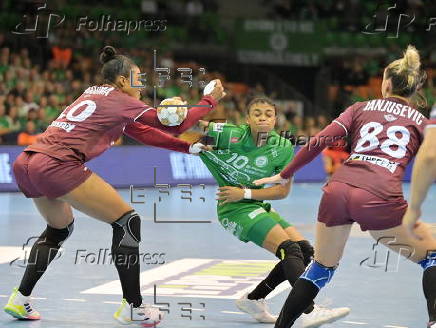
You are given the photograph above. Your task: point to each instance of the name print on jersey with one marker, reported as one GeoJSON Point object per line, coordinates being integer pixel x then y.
{"type": "Point", "coordinates": [395, 109]}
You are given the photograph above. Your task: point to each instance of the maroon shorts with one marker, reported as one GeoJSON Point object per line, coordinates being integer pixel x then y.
{"type": "Point", "coordinates": [40, 175]}
{"type": "Point", "coordinates": [342, 204]}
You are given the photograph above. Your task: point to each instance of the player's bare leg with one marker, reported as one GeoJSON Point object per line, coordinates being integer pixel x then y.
{"type": "Point", "coordinates": [294, 234]}
{"type": "Point", "coordinates": [329, 247]}
{"type": "Point", "coordinates": [422, 251]}
{"type": "Point", "coordinates": [98, 199]}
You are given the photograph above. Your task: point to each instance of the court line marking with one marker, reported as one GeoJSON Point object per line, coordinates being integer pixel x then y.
{"type": "Point", "coordinates": [355, 322]}
{"type": "Point", "coordinates": [232, 312]}
{"type": "Point", "coordinates": [193, 309]}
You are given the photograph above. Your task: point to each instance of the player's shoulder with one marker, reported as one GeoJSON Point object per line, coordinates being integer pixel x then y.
{"type": "Point", "coordinates": [281, 145]}
{"type": "Point", "coordinates": [358, 105]}
{"type": "Point", "coordinates": [109, 94]}
{"type": "Point", "coordinates": [279, 141]}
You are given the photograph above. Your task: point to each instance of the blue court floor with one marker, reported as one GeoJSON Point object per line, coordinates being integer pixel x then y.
{"type": "Point", "coordinates": [195, 269]}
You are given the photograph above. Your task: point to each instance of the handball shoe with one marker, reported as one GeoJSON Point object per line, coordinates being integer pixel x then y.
{"type": "Point", "coordinates": [321, 315]}
{"type": "Point", "coordinates": [144, 315]}
{"type": "Point", "coordinates": [19, 307]}
{"type": "Point", "coordinates": [258, 309]}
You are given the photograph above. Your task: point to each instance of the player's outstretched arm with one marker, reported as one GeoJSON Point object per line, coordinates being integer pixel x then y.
{"type": "Point", "coordinates": [154, 137]}
{"type": "Point", "coordinates": [206, 105]}
{"type": "Point", "coordinates": [327, 137]}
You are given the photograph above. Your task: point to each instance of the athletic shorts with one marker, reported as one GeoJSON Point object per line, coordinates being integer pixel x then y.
{"type": "Point", "coordinates": [342, 204]}
{"type": "Point", "coordinates": [40, 175]}
{"type": "Point", "coordinates": [251, 221]}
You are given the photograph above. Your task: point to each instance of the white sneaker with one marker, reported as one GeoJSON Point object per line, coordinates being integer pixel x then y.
{"type": "Point", "coordinates": [258, 309]}
{"type": "Point", "coordinates": [19, 307]}
{"type": "Point", "coordinates": [321, 315]}
{"type": "Point", "coordinates": [145, 315]}
{"type": "Point", "coordinates": [431, 325]}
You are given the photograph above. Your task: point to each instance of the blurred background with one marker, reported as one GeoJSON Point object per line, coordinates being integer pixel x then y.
{"type": "Point", "coordinates": [313, 58]}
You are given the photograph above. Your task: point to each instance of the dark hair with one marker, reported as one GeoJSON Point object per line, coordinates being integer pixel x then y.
{"type": "Point", "coordinates": [114, 65]}
{"type": "Point", "coordinates": [261, 100]}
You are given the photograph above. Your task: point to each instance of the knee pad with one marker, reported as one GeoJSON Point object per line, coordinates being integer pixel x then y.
{"type": "Point", "coordinates": [429, 261]}
{"type": "Point", "coordinates": [127, 231]}
{"type": "Point", "coordinates": [289, 249]}
{"type": "Point", "coordinates": [307, 250]}
{"type": "Point", "coordinates": [318, 274]}
{"type": "Point", "coordinates": [56, 237]}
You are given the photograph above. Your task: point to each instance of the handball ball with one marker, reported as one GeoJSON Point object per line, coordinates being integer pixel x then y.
{"type": "Point", "coordinates": [171, 116]}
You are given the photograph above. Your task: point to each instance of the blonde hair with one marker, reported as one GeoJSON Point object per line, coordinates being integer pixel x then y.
{"type": "Point", "coordinates": [406, 74]}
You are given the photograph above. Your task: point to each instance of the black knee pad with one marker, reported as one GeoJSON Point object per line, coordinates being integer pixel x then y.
{"type": "Point", "coordinates": [289, 249]}
{"type": "Point", "coordinates": [56, 237]}
{"type": "Point", "coordinates": [307, 250]}
{"type": "Point", "coordinates": [127, 231]}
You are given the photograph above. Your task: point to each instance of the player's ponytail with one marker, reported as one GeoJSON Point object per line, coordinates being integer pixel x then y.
{"type": "Point", "coordinates": [114, 64]}
{"type": "Point", "coordinates": [406, 75]}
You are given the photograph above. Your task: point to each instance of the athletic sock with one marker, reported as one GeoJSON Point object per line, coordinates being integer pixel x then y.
{"type": "Point", "coordinates": [125, 254]}
{"type": "Point", "coordinates": [275, 278]}
{"type": "Point", "coordinates": [43, 251]}
{"type": "Point", "coordinates": [299, 300]}
{"type": "Point", "coordinates": [429, 286]}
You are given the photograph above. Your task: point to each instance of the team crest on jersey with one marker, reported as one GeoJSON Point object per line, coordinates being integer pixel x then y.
{"type": "Point", "coordinates": [234, 139]}
{"type": "Point", "coordinates": [390, 118]}
{"type": "Point", "coordinates": [261, 161]}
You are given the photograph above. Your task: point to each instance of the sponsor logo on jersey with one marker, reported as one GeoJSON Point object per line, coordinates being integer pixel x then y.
{"type": "Point", "coordinates": [261, 161]}
{"type": "Point", "coordinates": [218, 127]}
{"type": "Point", "coordinates": [234, 139]}
{"type": "Point", "coordinates": [390, 118]}
{"type": "Point", "coordinates": [383, 162]}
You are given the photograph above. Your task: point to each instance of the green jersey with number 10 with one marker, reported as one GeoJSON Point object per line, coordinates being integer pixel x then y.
{"type": "Point", "coordinates": [237, 161]}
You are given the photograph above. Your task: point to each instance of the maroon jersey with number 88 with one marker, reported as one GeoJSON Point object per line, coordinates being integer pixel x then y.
{"type": "Point", "coordinates": [385, 134]}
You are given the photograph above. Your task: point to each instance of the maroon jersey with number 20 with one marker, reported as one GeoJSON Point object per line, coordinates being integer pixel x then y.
{"type": "Point", "coordinates": [95, 120]}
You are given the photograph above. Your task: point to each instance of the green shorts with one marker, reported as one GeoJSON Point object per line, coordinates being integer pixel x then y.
{"type": "Point", "coordinates": [250, 221]}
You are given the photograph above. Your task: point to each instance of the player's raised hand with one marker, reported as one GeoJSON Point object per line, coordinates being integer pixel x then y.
{"type": "Point", "coordinates": [274, 179]}
{"type": "Point", "coordinates": [215, 89]}
{"type": "Point", "coordinates": [410, 222]}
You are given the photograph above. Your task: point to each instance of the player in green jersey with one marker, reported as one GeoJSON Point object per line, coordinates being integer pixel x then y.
{"type": "Point", "coordinates": [240, 155]}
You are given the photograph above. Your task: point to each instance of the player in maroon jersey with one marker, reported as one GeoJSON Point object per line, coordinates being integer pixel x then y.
{"type": "Point", "coordinates": [385, 135]}
{"type": "Point", "coordinates": [52, 172]}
